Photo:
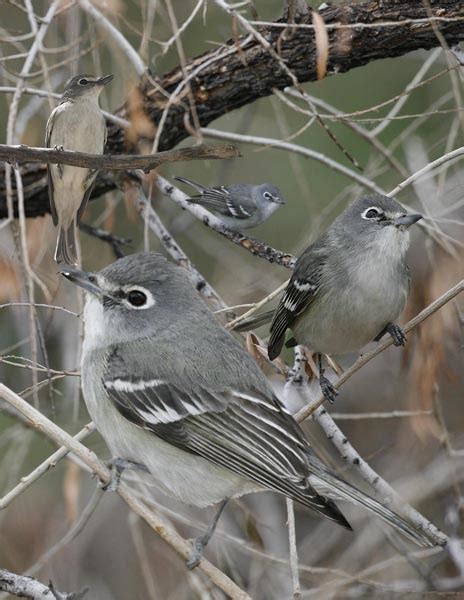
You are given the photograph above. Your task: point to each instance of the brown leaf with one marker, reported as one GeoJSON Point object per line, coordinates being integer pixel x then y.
{"type": "Point", "coordinates": [322, 45]}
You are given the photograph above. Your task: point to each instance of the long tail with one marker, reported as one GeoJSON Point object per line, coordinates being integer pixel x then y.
{"type": "Point", "coordinates": [200, 188]}
{"type": "Point", "coordinates": [255, 321]}
{"type": "Point", "coordinates": [328, 483]}
{"type": "Point", "coordinates": [66, 246]}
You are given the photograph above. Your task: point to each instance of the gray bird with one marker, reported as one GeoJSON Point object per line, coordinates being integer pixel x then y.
{"type": "Point", "coordinates": [239, 206]}
{"type": "Point", "coordinates": [78, 124]}
{"type": "Point", "coordinates": [171, 391]}
{"type": "Point", "coordinates": [349, 286]}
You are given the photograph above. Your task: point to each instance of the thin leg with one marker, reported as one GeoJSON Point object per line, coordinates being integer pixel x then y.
{"type": "Point", "coordinates": [118, 465]}
{"type": "Point", "coordinates": [328, 390]}
{"type": "Point", "coordinates": [398, 335]}
{"type": "Point", "coordinates": [201, 541]}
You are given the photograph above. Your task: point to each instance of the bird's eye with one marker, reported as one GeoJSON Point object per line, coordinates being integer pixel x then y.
{"type": "Point", "coordinates": [92, 278]}
{"type": "Point", "coordinates": [83, 81]}
{"type": "Point", "coordinates": [136, 298]}
{"type": "Point", "coordinates": [267, 196]}
{"type": "Point", "coordinates": [372, 213]}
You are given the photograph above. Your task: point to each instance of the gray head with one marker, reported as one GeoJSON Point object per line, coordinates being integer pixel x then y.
{"type": "Point", "coordinates": [136, 296]}
{"type": "Point", "coordinates": [268, 193]}
{"type": "Point", "coordinates": [375, 220]}
{"type": "Point", "coordinates": [84, 85]}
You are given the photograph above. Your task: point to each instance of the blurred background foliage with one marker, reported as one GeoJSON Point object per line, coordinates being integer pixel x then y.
{"type": "Point", "coordinates": [116, 555]}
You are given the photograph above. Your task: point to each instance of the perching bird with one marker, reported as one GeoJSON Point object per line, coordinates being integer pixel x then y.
{"type": "Point", "coordinates": [239, 206]}
{"type": "Point", "coordinates": [349, 286]}
{"type": "Point", "coordinates": [78, 124]}
{"type": "Point", "coordinates": [169, 389]}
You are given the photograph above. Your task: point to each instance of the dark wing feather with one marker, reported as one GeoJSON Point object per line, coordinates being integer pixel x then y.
{"type": "Point", "coordinates": [247, 433]}
{"type": "Point", "coordinates": [300, 292]}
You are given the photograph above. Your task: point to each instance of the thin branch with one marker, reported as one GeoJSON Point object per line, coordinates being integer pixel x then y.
{"type": "Point", "coordinates": [430, 167]}
{"type": "Point", "coordinates": [301, 150]}
{"type": "Point", "coordinates": [293, 549]}
{"type": "Point", "coordinates": [108, 162]}
{"type": "Point", "coordinates": [43, 468]}
{"type": "Point", "coordinates": [154, 520]}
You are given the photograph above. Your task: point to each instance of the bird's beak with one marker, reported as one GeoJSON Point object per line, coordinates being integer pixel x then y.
{"type": "Point", "coordinates": [407, 220]}
{"type": "Point", "coordinates": [82, 279]}
{"type": "Point", "coordinates": [278, 200]}
{"type": "Point", "coordinates": [104, 80]}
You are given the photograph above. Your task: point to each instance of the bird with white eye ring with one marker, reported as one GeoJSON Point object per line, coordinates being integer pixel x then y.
{"type": "Point", "coordinates": [348, 287]}
{"type": "Point", "coordinates": [239, 206]}
{"type": "Point", "coordinates": [173, 393]}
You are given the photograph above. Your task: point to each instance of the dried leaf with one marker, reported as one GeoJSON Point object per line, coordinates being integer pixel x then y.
{"type": "Point", "coordinates": [322, 45]}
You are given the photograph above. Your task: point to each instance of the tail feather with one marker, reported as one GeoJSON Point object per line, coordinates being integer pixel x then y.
{"type": "Point", "coordinates": [255, 321]}
{"type": "Point", "coordinates": [66, 251]}
{"type": "Point", "coordinates": [200, 188]}
{"type": "Point", "coordinates": [328, 483]}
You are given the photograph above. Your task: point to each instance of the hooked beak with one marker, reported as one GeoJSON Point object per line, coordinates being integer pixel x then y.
{"type": "Point", "coordinates": [104, 80]}
{"type": "Point", "coordinates": [82, 279]}
{"type": "Point", "coordinates": [407, 220]}
{"type": "Point", "coordinates": [278, 200]}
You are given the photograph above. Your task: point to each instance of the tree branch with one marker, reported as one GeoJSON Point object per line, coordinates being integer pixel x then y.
{"type": "Point", "coordinates": [28, 587]}
{"type": "Point", "coordinates": [121, 162]}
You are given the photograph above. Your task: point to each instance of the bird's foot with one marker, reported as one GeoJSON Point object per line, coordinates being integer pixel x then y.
{"type": "Point", "coordinates": [398, 335]}
{"type": "Point", "coordinates": [327, 389]}
{"type": "Point", "coordinates": [118, 465]}
{"type": "Point", "coordinates": [199, 544]}
{"type": "Point", "coordinates": [58, 148]}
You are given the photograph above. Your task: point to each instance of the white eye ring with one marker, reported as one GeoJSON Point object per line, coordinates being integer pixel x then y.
{"type": "Point", "coordinates": [83, 81]}
{"type": "Point", "coordinates": [149, 299]}
{"type": "Point", "coordinates": [267, 196]}
{"type": "Point", "coordinates": [378, 213]}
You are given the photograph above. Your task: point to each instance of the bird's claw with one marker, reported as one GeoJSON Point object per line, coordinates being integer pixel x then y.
{"type": "Point", "coordinates": [118, 465]}
{"type": "Point", "coordinates": [328, 390]}
{"type": "Point", "coordinates": [58, 148]}
{"type": "Point", "coordinates": [398, 335]}
{"type": "Point", "coordinates": [199, 544]}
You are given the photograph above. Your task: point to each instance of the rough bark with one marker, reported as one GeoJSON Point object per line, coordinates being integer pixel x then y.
{"type": "Point", "coordinates": [226, 83]}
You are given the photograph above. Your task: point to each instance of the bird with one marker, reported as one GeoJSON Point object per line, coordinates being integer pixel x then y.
{"type": "Point", "coordinates": [78, 124]}
{"type": "Point", "coordinates": [172, 392]}
{"type": "Point", "coordinates": [239, 206]}
{"type": "Point", "coordinates": [348, 287]}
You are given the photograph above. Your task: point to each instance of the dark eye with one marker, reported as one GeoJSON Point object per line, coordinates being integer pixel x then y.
{"type": "Point", "coordinates": [136, 298]}
{"type": "Point", "coordinates": [92, 278]}
{"type": "Point", "coordinates": [372, 213]}
{"type": "Point", "coordinates": [267, 196]}
{"type": "Point", "coordinates": [83, 81]}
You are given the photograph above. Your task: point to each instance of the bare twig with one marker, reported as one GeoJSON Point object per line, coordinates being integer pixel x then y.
{"type": "Point", "coordinates": [43, 468]}
{"type": "Point", "coordinates": [120, 162]}
{"type": "Point", "coordinates": [28, 587]}
{"type": "Point", "coordinates": [293, 549]}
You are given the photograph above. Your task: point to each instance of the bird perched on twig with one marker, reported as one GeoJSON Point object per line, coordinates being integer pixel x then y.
{"type": "Point", "coordinates": [239, 206]}
{"type": "Point", "coordinates": [78, 124]}
{"type": "Point", "coordinates": [348, 287]}
{"type": "Point", "coordinates": [172, 392]}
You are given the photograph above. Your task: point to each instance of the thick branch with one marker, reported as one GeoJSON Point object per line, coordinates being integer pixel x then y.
{"type": "Point", "coordinates": [242, 71]}
{"type": "Point", "coordinates": [121, 162]}
{"type": "Point", "coordinates": [28, 587]}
